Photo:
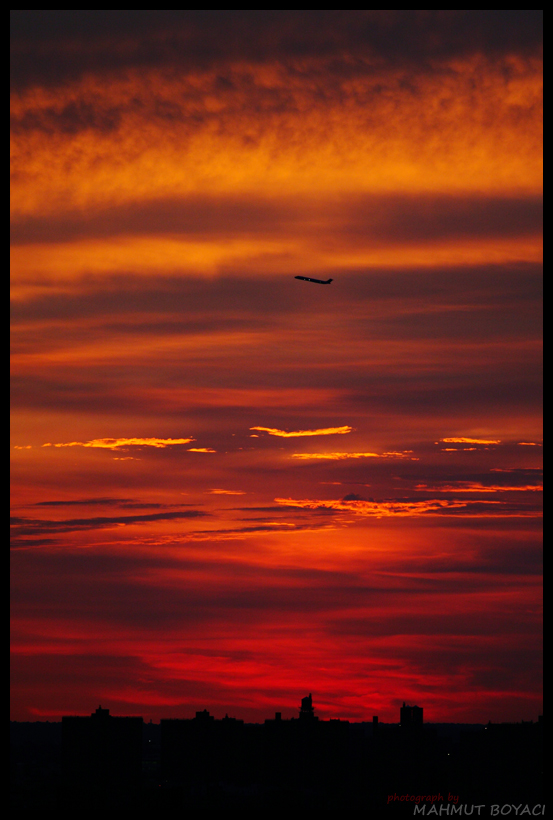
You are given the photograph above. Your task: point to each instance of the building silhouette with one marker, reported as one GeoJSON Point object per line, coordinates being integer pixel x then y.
{"type": "Point", "coordinates": [410, 717]}
{"type": "Point", "coordinates": [307, 711]}
{"type": "Point", "coordinates": [101, 759]}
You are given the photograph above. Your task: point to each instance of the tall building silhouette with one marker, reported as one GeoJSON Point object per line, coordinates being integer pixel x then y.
{"type": "Point", "coordinates": [307, 712]}
{"type": "Point", "coordinates": [410, 717]}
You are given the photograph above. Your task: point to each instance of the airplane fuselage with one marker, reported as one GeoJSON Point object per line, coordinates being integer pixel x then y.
{"type": "Point", "coordinates": [318, 281]}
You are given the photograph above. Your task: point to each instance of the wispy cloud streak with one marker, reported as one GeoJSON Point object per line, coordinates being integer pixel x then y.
{"type": "Point", "coordinates": [325, 431]}
{"type": "Point", "coordinates": [464, 440]}
{"type": "Point", "coordinates": [30, 526]}
{"type": "Point", "coordinates": [407, 508]}
{"type": "Point", "coordinates": [122, 443]}
{"type": "Point", "coordinates": [344, 456]}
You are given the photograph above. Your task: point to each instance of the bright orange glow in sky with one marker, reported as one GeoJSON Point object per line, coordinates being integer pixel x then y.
{"type": "Point", "coordinates": [231, 487]}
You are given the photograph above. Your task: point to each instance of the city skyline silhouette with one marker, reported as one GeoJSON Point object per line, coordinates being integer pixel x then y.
{"type": "Point", "coordinates": [109, 761]}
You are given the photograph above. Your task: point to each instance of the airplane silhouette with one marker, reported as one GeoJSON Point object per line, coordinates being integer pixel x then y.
{"type": "Point", "coordinates": [319, 281]}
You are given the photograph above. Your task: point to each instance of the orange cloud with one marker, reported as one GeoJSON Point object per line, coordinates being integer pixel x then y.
{"type": "Point", "coordinates": [464, 440]}
{"type": "Point", "coordinates": [119, 443]}
{"type": "Point", "coordinates": [471, 124]}
{"type": "Point", "coordinates": [325, 431]}
{"type": "Point", "coordinates": [200, 450]}
{"type": "Point", "coordinates": [476, 486]}
{"type": "Point", "coordinates": [59, 264]}
{"type": "Point", "coordinates": [435, 506]}
{"type": "Point", "coordinates": [341, 456]}
{"type": "Point", "coordinates": [227, 492]}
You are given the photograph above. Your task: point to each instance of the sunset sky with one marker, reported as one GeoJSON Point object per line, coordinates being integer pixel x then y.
{"type": "Point", "coordinates": [231, 488]}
